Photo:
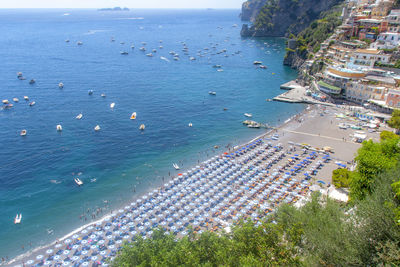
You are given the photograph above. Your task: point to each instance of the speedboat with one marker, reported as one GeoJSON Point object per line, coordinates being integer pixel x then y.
{"type": "Point", "coordinates": [18, 219]}
{"type": "Point", "coordinates": [23, 132]}
{"type": "Point", "coordinates": [142, 49]}
{"type": "Point", "coordinates": [192, 58]}
{"type": "Point", "coordinates": [26, 98]}
{"type": "Point", "coordinates": [190, 124]}
{"type": "Point", "coordinates": [142, 127]}
{"type": "Point", "coordinates": [32, 103]}
{"type": "Point", "coordinates": [212, 93]}
{"type": "Point", "coordinates": [133, 116]}
{"type": "Point", "coordinates": [59, 128]}
{"type": "Point", "coordinates": [32, 81]}
{"type": "Point", "coordinates": [263, 67]}
{"type": "Point", "coordinates": [79, 116]}
{"type": "Point", "coordinates": [257, 62]}
{"type": "Point", "coordinates": [78, 181]}
{"type": "Point", "coordinates": [176, 166]}
{"type": "Point", "coordinates": [249, 115]}
{"type": "Point", "coordinates": [61, 85]}
{"type": "Point", "coordinates": [97, 128]}
{"type": "Point", "coordinates": [149, 55]}
{"type": "Point", "coordinates": [15, 99]}
{"type": "Point", "coordinates": [90, 92]}
{"type": "Point", "coordinates": [5, 101]}
{"type": "Point", "coordinates": [112, 105]}
{"type": "Point", "coordinates": [124, 53]}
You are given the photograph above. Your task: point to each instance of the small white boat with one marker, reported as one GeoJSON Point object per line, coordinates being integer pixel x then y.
{"type": "Point", "coordinates": [60, 85]}
{"type": "Point", "coordinates": [220, 70]}
{"type": "Point", "coordinates": [142, 127]}
{"type": "Point", "coordinates": [5, 101]}
{"type": "Point", "coordinates": [124, 53]}
{"type": "Point", "coordinates": [67, 41]}
{"type": "Point", "coordinates": [132, 46]}
{"type": "Point", "coordinates": [103, 95]}
{"type": "Point", "coordinates": [18, 219]}
{"type": "Point", "coordinates": [249, 115]}
{"type": "Point", "coordinates": [192, 58]}
{"type": "Point", "coordinates": [23, 132]}
{"type": "Point", "coordinates": [149, 54]}
{"type": "Point", "coordinates": [257, 62]}
{"type": "Point", "coordinates": [78, 181]}
{"type": "Point", "coordinates": [112, 105]}
{"type": "Point", "coordinates": [79, 43]}
{"type": "Point", "coordinates": [176, 166]}
{"type": "Point", "coordinates": [32, 103]}
{"type": "Point", "coordinates": [16, 100]}
{"type": "Point", "coordinates": [142, 49]}
{"type": "Point", "coordinates": [90, 92]}
{"type": "Point", "coordinates": [19, 74]}
{"type": "Point", "coordinates": [212, 93]}
{"type": "Point", "coordinates": [26, 98]}
{"type": "Point", "coordinates": [176, 58]}
{"type": "Point", "coordinates": [97, 128]}
{"type": "Point", "coordinates": [79, 116]}
{"type": "Point", "coordinates": [190, 124]}
{"type": "Point", "coordinates": [59, 128]}
{"type": "Point", "coordinates": [133, 116]}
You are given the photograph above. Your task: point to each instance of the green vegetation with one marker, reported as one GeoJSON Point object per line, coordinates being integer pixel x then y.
{"type": "Point", "coordinates": [394, 121]}
{"type": "Point", "coordinates": [330, 87]}
{"type": "Point", "coordinates": [265, 16]}
{"type": "Point", "coordinates": [341, 178]}
{"type": "Point", "coordinates": [364, 232]}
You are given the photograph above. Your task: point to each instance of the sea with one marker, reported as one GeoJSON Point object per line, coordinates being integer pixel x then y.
{"type": "Point", "coordinates": [120, 163]}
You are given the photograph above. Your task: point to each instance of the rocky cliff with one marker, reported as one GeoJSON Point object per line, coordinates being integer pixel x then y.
{"type": "Point", "coordinates": [277, 18]}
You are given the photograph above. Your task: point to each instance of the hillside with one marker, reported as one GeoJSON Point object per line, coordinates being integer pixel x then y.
{"type": "Point", "coordinates": [278, 18]}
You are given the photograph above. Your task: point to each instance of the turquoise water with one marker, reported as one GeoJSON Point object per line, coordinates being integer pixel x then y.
{"type": "Point", "coordinates": [119, 163]}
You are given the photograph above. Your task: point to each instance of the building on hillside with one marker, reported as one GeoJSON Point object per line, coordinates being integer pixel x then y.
{"type": "Point", "coordinates": [393, 99]}
{"type": "Point", "coordinates": [335, 77]}
{"type": "Point", "coordinates": [393, 20]}
{"type": "Point", "coordinates": [381, 8]}
{"type": "Point", "coordinates": [329, 89]}
{"type": "Point", "coordinates": [367, 58]}
{"type": "Point", "coordinates": [362, 91]}
{"type": "Point", "coordinates": [387, 40]}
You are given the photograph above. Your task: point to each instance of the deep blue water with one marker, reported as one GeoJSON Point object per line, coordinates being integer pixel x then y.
{"type": "Point", "coordinates": [165, 95]}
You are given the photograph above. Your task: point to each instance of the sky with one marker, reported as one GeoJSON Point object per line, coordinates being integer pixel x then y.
{"type": "Point", "coordinates": [122, 3]}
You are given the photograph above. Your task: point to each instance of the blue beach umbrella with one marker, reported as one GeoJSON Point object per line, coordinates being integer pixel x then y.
{"type": "Point", "coordinates": [322, 182]}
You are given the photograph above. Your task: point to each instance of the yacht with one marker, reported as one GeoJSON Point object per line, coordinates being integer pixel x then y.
{"type": "Point", "coordinates": [257, 62]}
{"type": "Point", "coordinates": [217, 66]}
{"type": "Point", "coordinates": [176, 166]}
{"type": "Point", "coordinates": [133, 116]}
{"type": "Point", "coordinates": [23, 132]}
{"type": "Point", "coordinates": [97, 128]}
{"type": "Point", "coordinates": [132, 46]}
{"type": "Point", "coordinates": [176, 58]}
{"type": "Point", "coordinates": [32, 103]}
{"type": "Point", "coordinates": [212, 93]}
{"type": "Point", "coordinates": [142, 126]}
{"type": "Point", "coordinates": [220, 70]}
{"type": "Point", "coordinates": [249, 115]}
{"type": "Point", "coordinates": [79, 116]}
{"type": "Point", "coordinates": [26, 98]}
{"type": "Point", "coordinates": [78, 181]}
{"type": "Point", "coordinates": [5, 101]}
{"type": "Point", "coordinates": [59, 128]}
{"type": "Point", "coordinates": [18, 219]}
{"type": "Point", "coordinates": [60, 85]}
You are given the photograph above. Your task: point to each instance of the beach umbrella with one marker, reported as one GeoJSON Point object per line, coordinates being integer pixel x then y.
{"type": "Point", "coordinates": [322, 182]}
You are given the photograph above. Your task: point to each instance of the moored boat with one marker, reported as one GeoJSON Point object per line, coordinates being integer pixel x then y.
{"type": "Point", "coordinates": [16, 100]}
{"type": "Point", "coordinates": [60, 85]}
{"type": "Point", "coordinates": [23, 132]}
{"type": "Point", "coordinates": [142, 127]}
{"type": "Point", "coordinates": [18, 219]}
{"type": "Point", "coordinates": [249, 115]}
{"type": "Point", "coordinates": [176, 166]}
{"type": "Point", "coordinates": [32, 81]}
{"type": "Point", "coordinates": [78, 181]}
{"type": "Point", "coordinates": [79, 116]}
{"type": "Point", "coordinates": [59, 128]}
{"type": "Point", "coordinates": [133, 116]}
{"type": "Point", "coordinates": [97, 128]}
{"type": "Point", "coordinates": [112, 105]}
{"type": "Point", "coordinates": [32, 103]}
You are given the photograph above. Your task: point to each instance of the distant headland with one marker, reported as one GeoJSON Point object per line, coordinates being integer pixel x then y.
{"type": "Point", "coordinates": [114, 9]}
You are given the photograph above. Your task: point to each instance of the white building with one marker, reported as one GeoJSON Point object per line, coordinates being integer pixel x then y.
{"type": "Point", "coordinates": [387, 40]}
{"type": "Point", "coordinates": [367, 58]}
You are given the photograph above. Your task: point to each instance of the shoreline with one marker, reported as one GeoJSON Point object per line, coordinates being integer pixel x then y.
{"type": "Point", "coordinates": [150, 189]}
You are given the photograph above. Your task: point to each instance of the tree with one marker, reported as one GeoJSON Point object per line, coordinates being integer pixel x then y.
{"type": "Point", "coordinates": [341, 178]}
{"type": "Point", "coordinates": [385, 135]}
{"type": "Point", "coordinates": [394, 121]}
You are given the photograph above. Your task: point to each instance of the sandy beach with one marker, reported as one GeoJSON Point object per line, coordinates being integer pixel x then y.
{"type": "Point", "coordinates": [250, 180]}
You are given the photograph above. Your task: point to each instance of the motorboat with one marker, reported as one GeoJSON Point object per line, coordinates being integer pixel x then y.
{"type": "Point", "coordinates": [133, 116]}
{"type": "Point", "coordinates": [32, 81]}
{"type": "Point", "coordinates": [103, 95]}
{"type": "Point", "coordinates": [263, 67]}
{"type": "Point", "coordinates": [254, 125]}
{"type": "Point", "coordinates": [176, 58]}
{"type": "Point", "coordinates": [16, 100]}
{"type": "Point", "coordinates": [60, 85]}
{"type": "Point", "coordinates": [124, 53]}
{"type": "Point", "coordinates": [23, 132]}
{"type": "Point", "coordinates": [26, 98]}
{"type": "Point", "coordinates": [122, 43]}
{"type": "Point", "coordinates": [212, 93]}
{"type": "Point", "coordinates": [144, 43]}
{"type": "Point", "coordinates": [142, 49]}
{"type": "Point", "coordinates": [32, 103]}
{"type": "Point", "coordinates": [90, 92]}
{"type": "Point", "coordinates": [257, 62]}
{"type": "Point", "coordinates": [192, 58]}
{"type": "Point", "coordinates": [79, 43]}
{"type": "Point", "coordinates": [112, 39]}
{"type": "Point", "coordinates": [5, 101]}
{"type": "Point", "coordinates": [67, 41]}
{"type": "Point", "coordinates": [154, 50]}
{"type": "Point", "coordinates": [79, 116]}
{"type": "Point", "coordinates": [142, 127]}
{"type": "Point", "coordinates": [190, 124]}
{"type": "Point", "coordinates": [149, 54]}
{"type": "Point", "coordinates": [59, 127]}
{"type": "Point", "coordinates": [132, 46]}
{"type": "Point", "coordinates": [18, 219]}
{"type": "Point", "coordinates": [161, 47]}
{"type": "Point", "coordinates": [97, 128]}
{"type": "Point", "coordinates": [220, 70]}
{"type": "Point", "coordinates": [8, 106]}
{"type": "Point", "coordinates": [268, 99]}
{"type": "Point", "coordinates": [217, 66]}
{"type": "Point", "coordinates": [112, 105]}
{"type": "Point", "coordinates": [249, 115]}
{"type": "Point", "coordinates": [19, 74]}
{"type": "Point", "coordinates": [176, 166]}
{"type": "Point", "coordinates": [78, 181]}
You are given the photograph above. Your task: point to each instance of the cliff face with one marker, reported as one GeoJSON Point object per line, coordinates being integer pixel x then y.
{"type": "Point", "coordinates": [251, 8]}
{"type": "Point", "coordinates": [277, 18]}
